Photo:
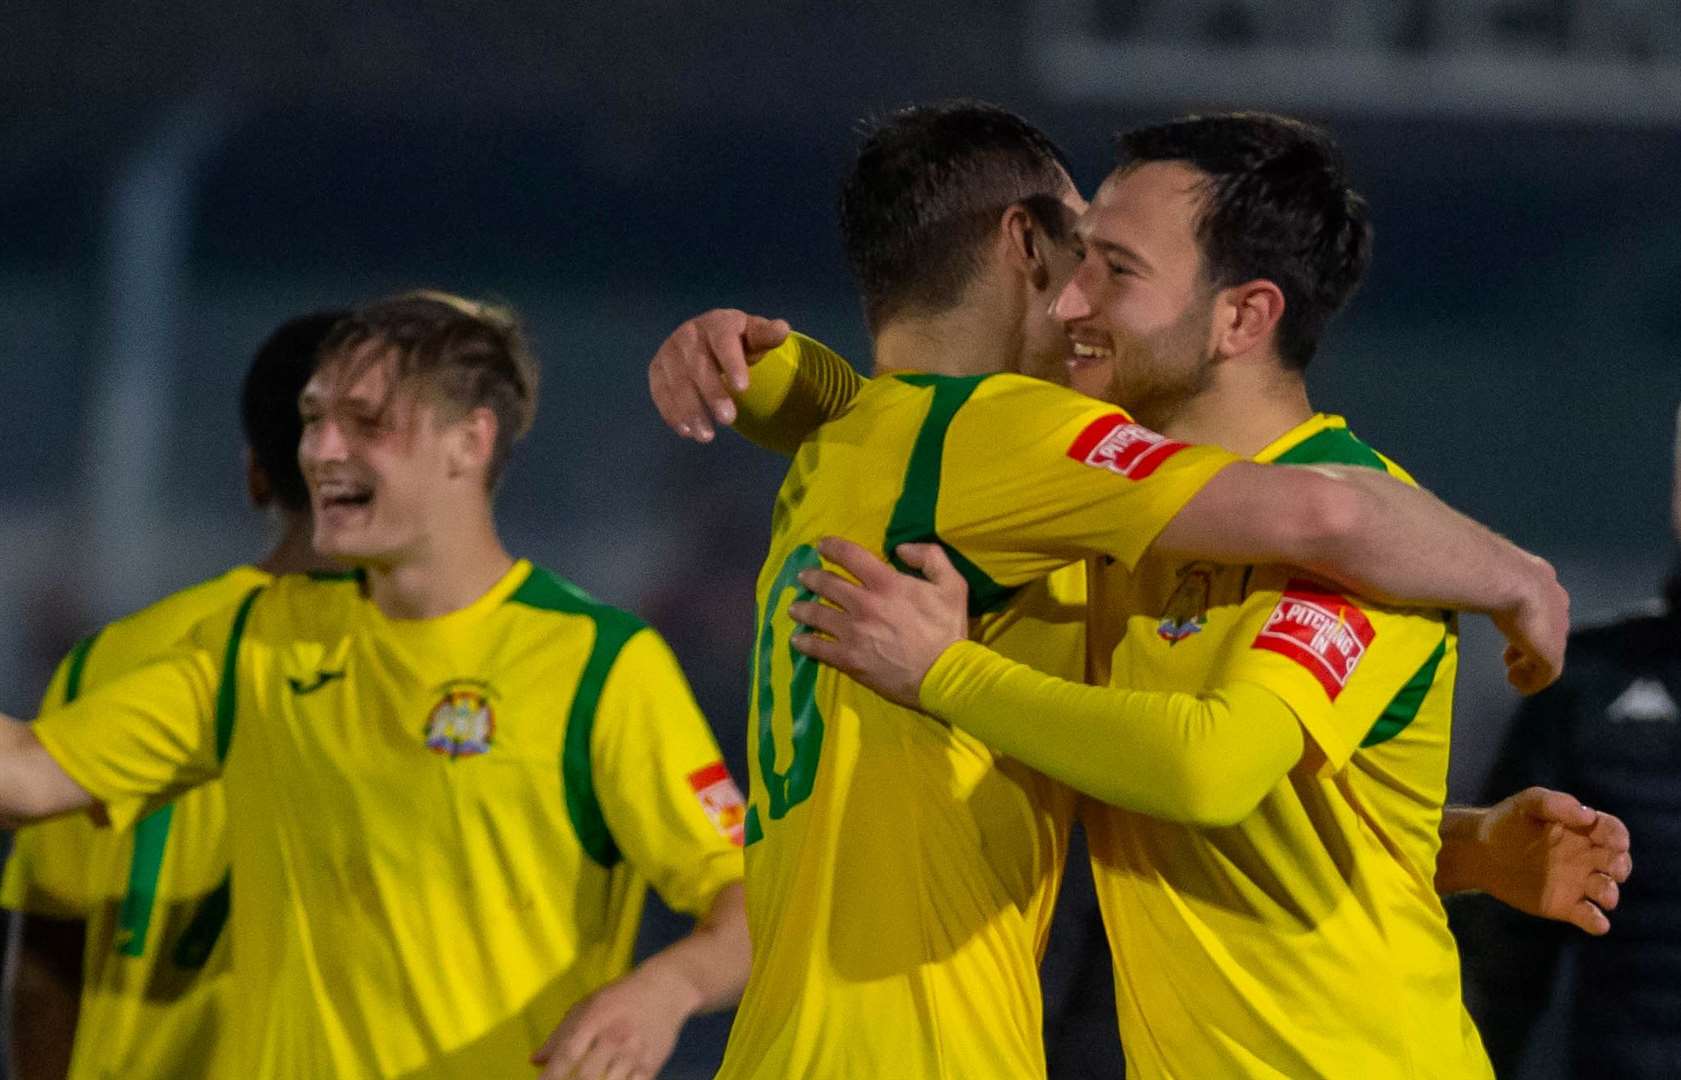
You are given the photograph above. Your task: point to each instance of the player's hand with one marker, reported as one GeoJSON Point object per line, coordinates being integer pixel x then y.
{"type": "Point", "coordinates": [1548, 855]}
{"type": "Point", "coordinates": [1535, 631]}
{"type": "Point", "coordinates": [624, 1031]}
{"type": "Point", "coordinates": [703, 363]}
{"type": "Point", "coordinates": [883, 628]}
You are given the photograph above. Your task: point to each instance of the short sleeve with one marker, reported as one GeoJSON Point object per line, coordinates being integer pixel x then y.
{"type": "Point", "coordinates": [669, 802]}
{"type": "Point", "coordinates": [1031, 477]}
{"type": "Point", "coordinates": [50, 870]}
{"type": "Point", "coordinates": [143, 738]}
{"type": "Point", "coordinates": [1342, 664]}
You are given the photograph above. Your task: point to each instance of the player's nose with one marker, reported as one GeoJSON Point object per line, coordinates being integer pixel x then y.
{"type": "Point", "coordinates": [1071, 304]}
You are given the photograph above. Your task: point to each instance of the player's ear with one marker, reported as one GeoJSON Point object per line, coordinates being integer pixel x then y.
{"type": "Point", "coordinates": [1245, 316]}
{"type": "Point", "coordinates": [472, 442]}
{"type": "Point", "coordinates": [258, 488]}
{"type": "Point", "coordinates": [1025, 244]}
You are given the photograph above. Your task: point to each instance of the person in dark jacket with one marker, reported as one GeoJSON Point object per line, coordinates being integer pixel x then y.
{"type": "Point", "coordinates": [1610, 732]}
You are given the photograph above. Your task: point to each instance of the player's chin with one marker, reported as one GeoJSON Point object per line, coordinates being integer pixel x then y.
{"type": "Point", "coordinates": [347, 543]}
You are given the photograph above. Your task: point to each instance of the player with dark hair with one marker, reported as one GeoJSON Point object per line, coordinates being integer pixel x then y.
{"type": "Point", "coordinates": [897, 868]}
{"type": "Point", "coordinates": [1611, 729]}
{"type": "Point", "coordinates": [121, 954]}
{"type": "Point", "coordinates": [455, 774]}
{"type": "Point", "coordinates": [799, 381]}
{"type": "Point", "coordinates": [1270, 759]}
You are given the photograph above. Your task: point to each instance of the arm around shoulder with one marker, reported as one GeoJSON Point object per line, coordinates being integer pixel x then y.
{"type": "Point", "coordinates": [1386, 540]}
{"type": "Point", "coordinates": [1176, 756]}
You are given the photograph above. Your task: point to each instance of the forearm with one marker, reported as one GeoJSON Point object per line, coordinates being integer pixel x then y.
{"type": "Point", "coordinates": [1199, 759]}
{"type": "Point", "coordinates": [794, 388]}
{"type": "Point", "coordinates": [709, 966]}
{"type": "Point", "coordinates": [1460, 861]}
{"type": "Point", "coordinates": [44, 977]}
{"type": "Point", "coordinates": [1360, 528]}
{"type": "Point", "coordinates": [1401, 545]}
{"type": "Point", "coordinates": [32, 785]}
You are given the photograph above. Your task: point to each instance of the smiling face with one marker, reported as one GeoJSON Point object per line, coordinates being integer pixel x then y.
{"type": "Point", "coordinates": [376, 457]}
{"type": "Point", "coordinates": [1138, 310]}
{"type": "Point", "coordinates": [1044, 343]}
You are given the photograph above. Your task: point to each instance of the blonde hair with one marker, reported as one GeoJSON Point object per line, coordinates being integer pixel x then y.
{"type": "Point", "coordinates": [470, 353]}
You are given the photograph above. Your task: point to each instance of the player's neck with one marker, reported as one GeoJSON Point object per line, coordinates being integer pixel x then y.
{"type": "Point", "coordinates": [955, 342]}
{"type": "Point", "coordinates": [293, 553]}
{"type": "Point", "coordinates": [1244, 409]}
{"type": "Point", "coordinates": [451, 569]}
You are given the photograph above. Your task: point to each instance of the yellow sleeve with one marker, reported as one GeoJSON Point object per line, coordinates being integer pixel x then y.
{"type": "Point", "coordinates": [143, 738]}
{"type": "Point", "coordinates": [670, 804]}
{"type": "Point", "coordinates": [50, 869]}
{"type": "Point", "coordinates": [1201, 759]}
{"type": "Point", "coordinates": [1029, 477]}
{"type": "Point", "coordinates": [792, 390]}
{"type": "Point", "coordinates": [1341, 663]}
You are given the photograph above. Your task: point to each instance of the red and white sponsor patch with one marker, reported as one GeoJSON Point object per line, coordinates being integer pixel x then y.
{"type": "Point", "coordinates": [1322, 631]}
{"type": "Point", "coordinates": [1119, 444]}
{"type": "Point", "coordinates": [721, 800]}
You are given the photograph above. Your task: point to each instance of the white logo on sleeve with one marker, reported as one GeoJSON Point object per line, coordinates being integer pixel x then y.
{"type": "Point", "coordinates": [1645, 701]}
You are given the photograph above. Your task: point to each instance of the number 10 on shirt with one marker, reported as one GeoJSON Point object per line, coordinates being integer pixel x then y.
{"type": "Point", "coordinates": [794, 699]}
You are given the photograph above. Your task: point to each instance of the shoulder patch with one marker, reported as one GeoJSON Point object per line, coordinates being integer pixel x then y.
{"type": "Point", "coordinates": [1320, 630]}
{"type": "Point", "coordinates": [1118, 443]}
{"type": "Point", "coordinates": [721, 799]}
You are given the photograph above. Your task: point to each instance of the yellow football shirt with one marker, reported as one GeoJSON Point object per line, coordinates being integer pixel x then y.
{"type": "Point", "coordinates": [897, 869]}
{"type": "Point", "coordinates": [441, 829]}
{"type": "Point", "coordinates": [1307, 940]}
{"type": "Point", "coordinates": [154, 897]}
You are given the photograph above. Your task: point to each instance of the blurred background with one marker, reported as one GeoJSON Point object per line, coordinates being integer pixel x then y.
{"type": "Point", "coordinates": [178, 176]}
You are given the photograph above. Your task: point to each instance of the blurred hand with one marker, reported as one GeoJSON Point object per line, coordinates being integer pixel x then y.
{"type": "Point", "coordinates": [1535, 631]}
{"type": "Point", "coordinates": [1546, 854]}
{"type": "Point", "coordinates": [624, 1031]}
{"type": "Point", "coordinates": [887, 629]}
{"type": "Point", "coordinates": [694, 374]}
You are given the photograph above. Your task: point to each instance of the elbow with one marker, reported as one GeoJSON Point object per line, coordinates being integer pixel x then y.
{"type": "Point", "coordinates": [1219, 805]}
{"type": "Point", "coordinates": [1210, 798]}
{"type": "Point", "coordinates": [1328, 521]}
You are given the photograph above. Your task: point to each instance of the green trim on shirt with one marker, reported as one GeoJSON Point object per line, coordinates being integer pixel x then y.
{"type": "Point", "coordinates": [915, 514]}
{"type": "Point", "coordinates": [613, 628]}
{"type": "Point", "coordinates": [227, 694]}
{"type": "Point", "coordinates": [151, 835]}
{"type": "Point", "coordinates": [78, 661]}
{"type": "Point", "coordinates": [1404, 706]}
{"type": "Point", "coordinates": [1333, 446]}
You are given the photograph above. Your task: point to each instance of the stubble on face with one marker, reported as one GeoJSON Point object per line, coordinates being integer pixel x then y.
{"type": "Point", "coordinates": [1159, 315]}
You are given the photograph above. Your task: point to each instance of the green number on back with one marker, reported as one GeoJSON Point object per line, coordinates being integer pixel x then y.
{"type": "Point", "coordinates": [786, 789]}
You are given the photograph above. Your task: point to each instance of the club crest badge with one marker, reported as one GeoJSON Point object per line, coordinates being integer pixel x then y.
{"type": "Point", "coordinates": [463, 723]}
{"type": "Point", "coordinates": [1187, 608]}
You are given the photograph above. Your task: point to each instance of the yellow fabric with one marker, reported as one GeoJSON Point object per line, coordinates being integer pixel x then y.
{"type": "Point", "coordinates": [402, 910]}
{"type": "Point", "coordinates": [1175, 756]}
{"type": "Point", "coordinates": [1307, 940]}
{"type": "Point", "coordinates": [899, 872]}
{"type": "Point", "coordinates": [791, 390]}
{"type": "Point", "coordinates": [144, 1015]}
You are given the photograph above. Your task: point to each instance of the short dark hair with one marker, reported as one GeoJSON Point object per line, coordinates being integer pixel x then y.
{"type": "Point", "coordinates": [268, 402]}
{"type": "Point", "coordinates": [470, 354]}
{"type": "Point", "coordinates": [925, 193]}
{"type": "Point", "coordinates": [1277, 205]}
